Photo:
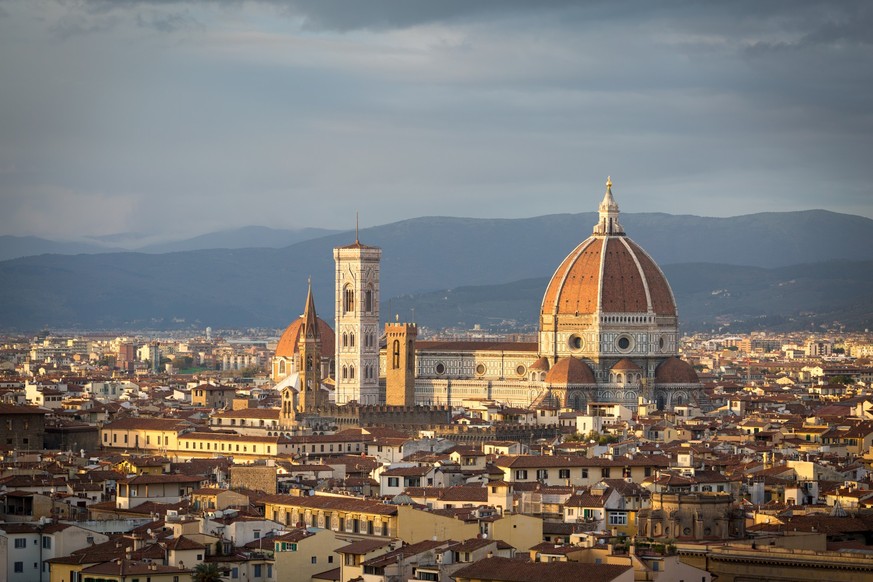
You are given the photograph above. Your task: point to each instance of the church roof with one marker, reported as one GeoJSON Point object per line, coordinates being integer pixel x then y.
{"type": "Point", "coordinates": [541, 364]}
{"type": "Point", "coordinates": [570, 371]}
{"type": "Point", "coordinates": [626, 364]}
{"type": "Point", "coordinates": [675, 371]}
{"type": "Point", "coordinates": [288, 343]}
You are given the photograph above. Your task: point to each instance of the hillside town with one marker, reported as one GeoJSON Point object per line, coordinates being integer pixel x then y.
{"type": "Point", "coordinates": [607, 447]}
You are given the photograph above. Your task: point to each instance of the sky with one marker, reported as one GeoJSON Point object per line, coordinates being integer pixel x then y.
{"type": "Point", "coordinates": [174, 118]}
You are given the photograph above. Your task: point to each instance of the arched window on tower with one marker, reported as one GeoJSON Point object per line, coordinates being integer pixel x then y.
{"type": "Point", "coordinates": [345, 340]}
{"type": "Point", "coordinates": [395, 355]}
{"type": "Point", "coordinates": [345, 373]}
{"type": "Point", "coordinates": [368, 300]}
{"type": "Point", "coordinates": [351, 372]}
{"type": "Point", "coordinates": [281, 366]}
{"type": "Point", "coordinates": [348, 300]}
{"type": "Point", "coordinates": [352, 340]}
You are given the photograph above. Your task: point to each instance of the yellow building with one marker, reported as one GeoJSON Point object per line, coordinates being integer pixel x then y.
{"type": "Point", "coordinates": [305, 553]}
{"type": "Point", "coordinates": [211, 444]}
{"type": "Point", "coordinates": [212, 498]}
{"type": "Point", "coordinates": [346, 515]}
{"type": "Point", "coordinates": [151, 434]}
{"type": "Point", "coordinates": [519, 531]}
{"type": "Point", "coordinates": [144, 466]}
{"type": "Point", "coordinates": [211, 396]}
{"type": "Point", "coordinates": [129, 570]}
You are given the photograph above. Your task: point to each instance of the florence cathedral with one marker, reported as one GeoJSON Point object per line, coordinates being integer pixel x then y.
{"type": "Point", "coordinates": [608, 333]}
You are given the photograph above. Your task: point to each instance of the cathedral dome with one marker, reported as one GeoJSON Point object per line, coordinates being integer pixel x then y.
{"type": "Point", "coordinates": [675, 371]}
{"type": "Point", "coordinates": [608, 299]}
{"type": "Point", "coordinates": [608, 274]}
{"type": "Point", "coordinates": [287, 346]}
{"type": "Point", "coordinates": [570, 371]}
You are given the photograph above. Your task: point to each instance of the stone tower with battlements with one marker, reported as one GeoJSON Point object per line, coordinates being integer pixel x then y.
{"type": "Point", "coordinates": [400, 364]}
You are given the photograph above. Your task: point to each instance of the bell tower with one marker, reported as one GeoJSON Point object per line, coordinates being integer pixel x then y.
{"type": "Point", "coordinates": [309, 358]}
{"type": "Point", "coordinates": [357, 323]}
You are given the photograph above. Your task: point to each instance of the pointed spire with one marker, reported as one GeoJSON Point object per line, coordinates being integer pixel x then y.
{"type": "Point", "coordinates": [310, 318]}
{"type": "Point", "coordinates": [608, 209]}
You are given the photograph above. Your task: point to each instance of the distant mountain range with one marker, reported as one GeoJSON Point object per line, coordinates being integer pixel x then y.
{"type": "Point", "coordinates": [266, 287]}
{"type": "Point", "coordinates": [13, 247]}
{"type": "Point", "coordinates": [710, 297]}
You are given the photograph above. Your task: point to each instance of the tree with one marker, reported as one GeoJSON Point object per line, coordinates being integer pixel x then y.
{"type": "Point", "coordinates": [206, 573]}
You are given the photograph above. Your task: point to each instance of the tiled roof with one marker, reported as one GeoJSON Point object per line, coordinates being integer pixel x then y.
{"type": "Point", "coordinates": [362, 547]}
{"type": "Point", "coordinates": [570, 370]}
{"type": "Point", "coordinates": [261, 413]}
{"type": "Point", "coordinates": [475, 346]}
{"type": "Point", "coordinates": [333, 503]}
{"type": "Point", "coordinates": [136, 423]}
{"type": "Point", "coordinates": [289, 341]}
{"type": "Point", "coordinates": [510, 570]}
{"type": "Point", "coordinates": [611, 274]}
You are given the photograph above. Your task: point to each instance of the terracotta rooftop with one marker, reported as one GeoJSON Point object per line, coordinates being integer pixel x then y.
{"type": "Point", "coordinates": [510, 570]}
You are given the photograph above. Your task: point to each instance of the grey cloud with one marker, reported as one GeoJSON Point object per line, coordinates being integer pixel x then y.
{"type": "Point", "coordinates": [78, 24]}
{"type": "Point", "coordinates": [168, 22]}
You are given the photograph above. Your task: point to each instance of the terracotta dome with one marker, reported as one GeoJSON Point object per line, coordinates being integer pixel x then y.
{"type": "Point", "coordinates": [626, 365]}
{"type": "Point", "coordinates": [675, 371]}
{"type": "Point", "coordinates": [608, 273]}
{"type": "Point", "coordinates": [570, 371]}
{"type": "Point", "coordinates": [287, 345]}
{"type": "Point", "coordinates": [542, 364]}
{"type": "Point", "coordinates": [612, 273]}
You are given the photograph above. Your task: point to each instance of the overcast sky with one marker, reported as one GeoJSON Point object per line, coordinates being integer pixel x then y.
{"type": "Point", "coordinates": [162, 117]}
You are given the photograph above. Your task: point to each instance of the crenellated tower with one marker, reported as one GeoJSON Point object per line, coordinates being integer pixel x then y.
{"type": "Point", "coordinates": [400, 364]}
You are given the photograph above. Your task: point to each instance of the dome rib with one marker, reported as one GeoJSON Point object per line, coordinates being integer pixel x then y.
{"type": "Point", "coordinates": [643, 277]}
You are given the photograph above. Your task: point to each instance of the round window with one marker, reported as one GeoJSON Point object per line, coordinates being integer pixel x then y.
{"type": "Point", "coordinates": [687, 531]}
{"type": "Point", "coordinates": [520, 370]}
{"type": "Point", "coordinates": [661, 343]}
{"type": "Point", "coordinates": [440, 368]}
{"type": "Point", "coordinates": [624, 343]}
{"type": "Point", "coordinates": [575, 342]}
{"type": "Point", "coordinates": [480, 369]}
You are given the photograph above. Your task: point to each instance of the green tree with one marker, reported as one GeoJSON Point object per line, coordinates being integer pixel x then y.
{"type": "Point", "coordinates": [206, 573]}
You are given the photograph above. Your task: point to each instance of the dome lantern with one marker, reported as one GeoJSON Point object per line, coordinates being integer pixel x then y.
{"type": "Point", "coordinates": [608, 220]}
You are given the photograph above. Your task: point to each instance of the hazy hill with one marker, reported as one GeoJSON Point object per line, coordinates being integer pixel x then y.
{"type": "Point", "coordinates": [709, 296]}
{"type": "Point", "coordinates": [13, 247]}
{"type": "Point", "coordinates": [240, 238]}
{"type": "Point", "coordinates": [266, 287]}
